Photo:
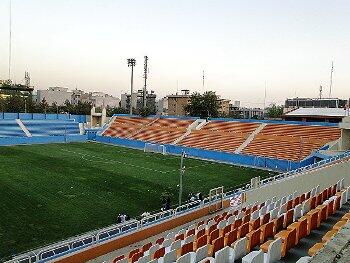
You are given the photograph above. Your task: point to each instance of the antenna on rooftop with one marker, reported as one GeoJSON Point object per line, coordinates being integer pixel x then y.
{"type": "Point", "coordinates": [321, 91]}
{"type": "Point", "coordinates": [145, 79]}
{"type": "Point", "coordinates": [331, 81]}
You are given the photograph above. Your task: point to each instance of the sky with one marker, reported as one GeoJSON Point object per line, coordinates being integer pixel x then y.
{"type": "Point", "coordinates": [242, 46]}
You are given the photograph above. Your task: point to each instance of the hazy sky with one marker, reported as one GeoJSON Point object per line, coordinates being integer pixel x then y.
{"type": "Point", "coordinates": [239, 44]}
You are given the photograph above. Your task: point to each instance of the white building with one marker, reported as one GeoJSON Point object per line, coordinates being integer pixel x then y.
{"type": "Point", "coordinates": [100, 99]}
{"type": "Point", "coordinates": [56, 95]}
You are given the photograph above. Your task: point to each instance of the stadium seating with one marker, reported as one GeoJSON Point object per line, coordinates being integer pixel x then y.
{"type": "Point", "coordinates": [164, 131]}
{"type": "Point", "coordinates": [10, 128]}
{"type": "Point", "coordinates": [235, 234]}
{"type": "Point", "coordinates": [126, 126]}
{"type": "Point", "coordinates": [279, 141]}
{"type": "Point", "coordinates": [52, 127]}
{"type": "Point", "coordinates": [220, 136]}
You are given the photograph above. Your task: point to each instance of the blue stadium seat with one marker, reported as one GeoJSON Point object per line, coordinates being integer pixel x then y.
{"type": "Point", "coordinates": [10, 128]}
{"type": "Point", "coordinates": [52, 127]}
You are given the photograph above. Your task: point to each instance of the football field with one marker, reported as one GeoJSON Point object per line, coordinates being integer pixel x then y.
{"type": "Point", "coordinates": [54, 191]}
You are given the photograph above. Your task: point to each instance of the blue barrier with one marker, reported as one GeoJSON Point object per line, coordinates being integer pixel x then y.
{"type": "Point", "coordinates": [232, 158]}
{"type": "Point", "coordinates": [41, 116]}
{"type": "Point", "coordinates": [42, 139]}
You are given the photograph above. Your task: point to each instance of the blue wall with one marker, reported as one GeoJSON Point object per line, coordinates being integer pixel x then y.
{"type": "Point", "coordinates": [41, 116]}
{"type": "Point", "coordinates": [42, 139]}
{"type": "Point", "coordinates": [238, 159]}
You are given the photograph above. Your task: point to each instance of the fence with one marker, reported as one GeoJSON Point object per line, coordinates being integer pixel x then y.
{"type": "Point", "coordinates": [41, 116]}
{"type": "Point", "coordinates": [42, 139]}
{"type": "Point", "coordinates": [112, 232]}
{"type": "Point", "coordinates": [232, 158]}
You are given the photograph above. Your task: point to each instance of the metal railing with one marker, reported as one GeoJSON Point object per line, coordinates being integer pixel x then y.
{"type": "Point", "coordinates": [66, 247]}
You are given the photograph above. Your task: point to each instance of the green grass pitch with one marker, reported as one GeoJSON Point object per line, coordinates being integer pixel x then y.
{"type": "Point", "coordinates": [51, 192]}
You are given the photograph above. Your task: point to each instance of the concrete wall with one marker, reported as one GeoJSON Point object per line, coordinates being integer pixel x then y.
{"type": "Point", "coordinates": [303, 182]}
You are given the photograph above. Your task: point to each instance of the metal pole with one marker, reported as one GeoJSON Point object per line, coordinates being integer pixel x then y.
{"type": "Point", "coordinates": [182, 171]}
{"type": "Point", "coordinates": [132, 87]}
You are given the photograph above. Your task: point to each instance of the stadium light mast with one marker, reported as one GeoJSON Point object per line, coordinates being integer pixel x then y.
{"type": "Point", "coordinates": [182, 172]}
{"type": "Point", "coordinates": [131, 63]}
{"type": "Point", "coordinates": [10, 39]}
{"type": "Point", "coordinates": [145, 71]}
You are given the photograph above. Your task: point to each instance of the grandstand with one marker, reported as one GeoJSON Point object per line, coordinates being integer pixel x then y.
{"type": "Point", "coordinates": [257, 216]}
{"type": "Point", "coordinates": [277, 141]}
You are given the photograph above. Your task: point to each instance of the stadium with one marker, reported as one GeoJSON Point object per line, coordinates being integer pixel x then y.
{"type": "Point", "coordinates": [270, 191]}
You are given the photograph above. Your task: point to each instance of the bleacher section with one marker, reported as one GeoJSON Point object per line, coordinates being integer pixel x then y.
{"type": "Point", "coordinates": [52, 127]}
{"type": "Point", "coordinates": [264, 232]}
{"type": "Point", "coordinates": [10, 128]}
{"type": "Point", "coordinates": [126, 126]}
{"type": "Point", "coordinates": [147, 129]}
{"type": "Point", "coordinates": [163, 131]}
{"type": "Point", "coordinates": [277, 141]}
{"type": "Point", "coordinates": [290, 142]}
{"type": "Point", "coordinates": [220, 136]}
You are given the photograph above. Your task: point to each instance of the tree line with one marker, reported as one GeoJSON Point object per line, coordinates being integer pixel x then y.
{"type": "Point", "coordinates": [200, 105]}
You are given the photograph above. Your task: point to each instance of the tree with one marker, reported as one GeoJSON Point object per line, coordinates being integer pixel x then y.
{"type": "Point", "coordinates": [205, 105]}
{"type": "Point", "coordinates": [116, 110]}
{"type": "Point", "coordinates": [144, 112]}
{"type": "Point", "coordinates": [274, 111]}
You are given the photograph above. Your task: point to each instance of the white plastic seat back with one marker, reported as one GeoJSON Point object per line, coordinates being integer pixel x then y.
{"type": "Point", "coordinates": [188, 239]}
{"type": "Point", "coordinates": [203, 226]}
{"type": "Point", "coordinates": [208, 259]}
{"type": "Point", "coordinates": [167, 242]}
{"type": "Point", "coordinates": [313, 192]}
{"type": "Point", "coordinates": [175, 245]}
{"type": "Point", "coordinates": [181, 231]}
{"type": "Point", "coordinates": [240, 215]}
{"type": "Point", "coordinates": [262, 211]}
{"type": "Point", "coordinates": [124, 260]}
{"type": "Point", "coordinates": [290, 197]}
{"type": "Point", "coordinates": [225, 255]}
{"type": "Point", "coordinates": [306, 206]}
{"type": "Point", "coordinates": [283, 200]}
{"type": "Point", "coordinates": [297, 212]}
{"type": "Point", "coordinates": [154, 261]}
{"type": "Point", "coordinates": [267, 202]}
{"type": "Point", "coordinates": [274, 199]}
{"type": "Point", "coordinates": [304, 260]}
{"type": "Point", "coordinates": [343, 199]}
{"type": "Point", "coordinates": [318, 189]}
{"type": "Point", "coordinates": [270, 207]}
{"type": "Point", "coordinates": [187, 258]}
{"type": "Point", "coordinates": [202, 253]}
{"type": "Point", "coordinates": [254, 257]}
{"type": "Point", "coordinates": [274, 213]}
{"type": "Point", "coordinates": [170, 235]}
{"type": "Point", "coordinates": [170, 257]}
{"type": "Point", "coordinates": [144, 259]}
{"type": "Point", "coordinates": [278, 203]}
{"type": "Point", "coordinates": [254, 215]}
{"type": "Point", "coordinates": [222, 224]}
{"type": "Point", "coordinates": [274, 251]}
{"type": "Point", "coordinates": [240, 248]}
{"type": "Point", "coordinates": [230, 220]}
{"type": "Point", "coordinates": [210, 223]}
{"type": "Point", "coordinates": [342, 184]}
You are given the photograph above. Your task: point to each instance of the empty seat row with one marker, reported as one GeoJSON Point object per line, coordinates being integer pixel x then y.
{"type": "Point", "coordinates": [10, 128]}
{"type": "Point", "coordinates": [242, 230]}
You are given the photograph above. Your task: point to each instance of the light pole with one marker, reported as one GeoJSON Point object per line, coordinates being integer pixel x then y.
{"type": "Point", "coordinates": [131, 63]}
{"type": "Point", "coordinates": [182, 172]}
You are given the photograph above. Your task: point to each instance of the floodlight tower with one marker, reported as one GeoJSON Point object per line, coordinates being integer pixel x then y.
{"type": "Point", "coordinates": [131, 63]}
{"type": "Point", "coordinates": [145, 69]}
{"type": "Point", "coordinates": [10, 39]}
